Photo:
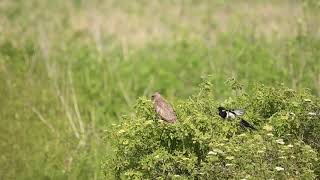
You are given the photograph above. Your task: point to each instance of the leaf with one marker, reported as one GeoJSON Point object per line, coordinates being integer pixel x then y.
{"type": "Point", "coordinates": [268, 127]}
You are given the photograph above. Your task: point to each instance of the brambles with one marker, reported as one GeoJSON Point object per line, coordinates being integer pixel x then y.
{"type": "Point", "coordinates": [203, 145]}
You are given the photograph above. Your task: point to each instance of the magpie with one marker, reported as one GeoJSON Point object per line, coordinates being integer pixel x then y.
{"type": "Point", "coordinates": [232, 114]}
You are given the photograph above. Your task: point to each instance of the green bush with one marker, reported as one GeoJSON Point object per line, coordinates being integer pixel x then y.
{"type": "Point", "coordinates": [202, 145]}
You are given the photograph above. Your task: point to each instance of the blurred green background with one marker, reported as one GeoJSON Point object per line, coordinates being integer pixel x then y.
{"type": "Point", "coordinates": [70, 69]}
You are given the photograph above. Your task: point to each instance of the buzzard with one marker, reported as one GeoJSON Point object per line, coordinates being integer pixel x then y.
{"type": "Point", "coordinates": [163, 109]}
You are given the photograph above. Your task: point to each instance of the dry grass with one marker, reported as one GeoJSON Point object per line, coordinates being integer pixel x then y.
{"type": "Point", "coordinates": [164, 21]}
{"type": "Point", "coordinates": [135, 25]}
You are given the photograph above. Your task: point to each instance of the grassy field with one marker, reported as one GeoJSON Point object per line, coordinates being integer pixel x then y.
{"type": "Point", "coordinates": [70, 69]}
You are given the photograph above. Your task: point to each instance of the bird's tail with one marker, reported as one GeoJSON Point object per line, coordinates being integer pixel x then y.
{"type": "Point", "coordinates": [246, 124]}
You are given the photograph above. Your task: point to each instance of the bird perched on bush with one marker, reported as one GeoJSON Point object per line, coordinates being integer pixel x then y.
{"type": "Point", "coordinates": [163, 109]}
{"type": "Point", "coordinates": [230, 114]}
{"type": "Point", "coordinates": [233, 113]}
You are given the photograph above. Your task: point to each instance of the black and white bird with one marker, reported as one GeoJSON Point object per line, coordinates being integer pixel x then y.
{"type": "Point", "coordinates": [232, 114]}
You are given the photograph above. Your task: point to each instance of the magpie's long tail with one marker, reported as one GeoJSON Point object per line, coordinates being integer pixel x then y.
{"type": "Point", "coordinates": [246, 124]}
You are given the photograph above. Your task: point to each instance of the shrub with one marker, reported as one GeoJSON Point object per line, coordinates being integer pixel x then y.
{"type": "Point", "coordinates": [202, 145]}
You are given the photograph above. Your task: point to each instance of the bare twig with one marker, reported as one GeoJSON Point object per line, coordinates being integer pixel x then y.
{"type": "Point", "coordinates": [69, 116]}
{"type": "Point", "coordinates": [150, 84]}
{"type": "Point", "coordinates": [76, 109]}
{"type": "Point", "coordinates": [124, 93]}
{"type": "Point", "coordinates": [42, 119]}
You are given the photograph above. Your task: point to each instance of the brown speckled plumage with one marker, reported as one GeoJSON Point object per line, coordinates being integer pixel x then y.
{"type": "Point", "coordinates": [163, 109]}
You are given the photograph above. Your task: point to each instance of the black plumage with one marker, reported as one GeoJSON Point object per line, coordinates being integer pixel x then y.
{"type": "Point", "coordinates": [246, 124]}
{"type": "Point", "coordinates": [222, 112]}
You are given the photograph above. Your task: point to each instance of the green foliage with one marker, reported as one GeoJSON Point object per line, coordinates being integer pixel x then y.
{"type": "Point", "coordinates": [202, 145]}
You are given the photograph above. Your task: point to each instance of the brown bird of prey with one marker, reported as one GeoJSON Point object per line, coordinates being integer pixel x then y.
{"type": "Point", "coordinates": [163, 109]}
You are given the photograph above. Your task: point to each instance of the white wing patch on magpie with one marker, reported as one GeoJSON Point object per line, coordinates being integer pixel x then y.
{"type": "Point", "coordinates": [230, 115]}
{"type": "Point", "coordinates": [238, 112]}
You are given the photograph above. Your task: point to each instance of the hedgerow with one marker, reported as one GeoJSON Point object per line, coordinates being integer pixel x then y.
{"type": "Point", "coordinates": [201, 145]}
